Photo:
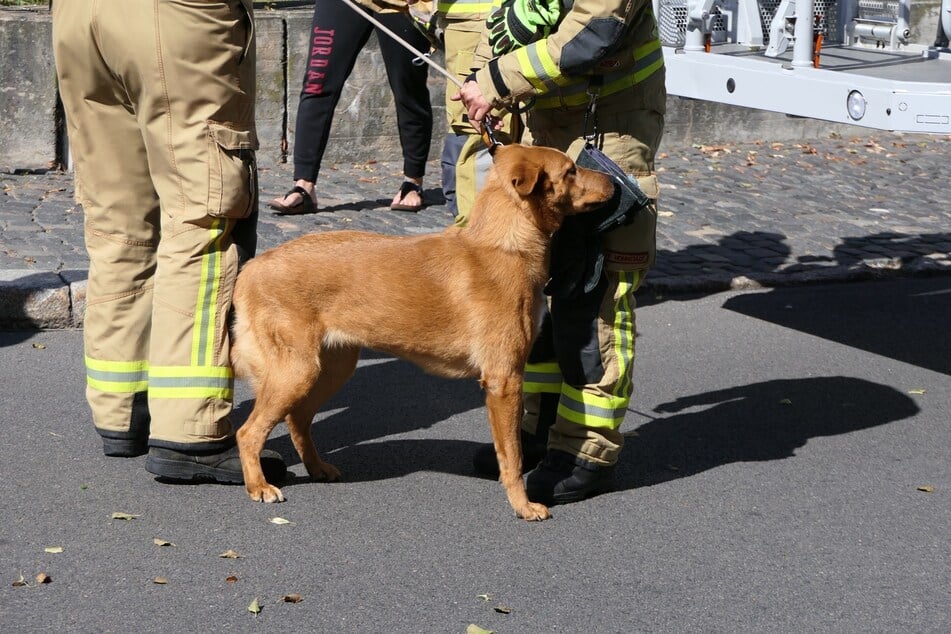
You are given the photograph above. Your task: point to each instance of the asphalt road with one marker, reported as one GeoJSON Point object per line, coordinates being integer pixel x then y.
{"type": "Point", "coordinates": [770, 483]}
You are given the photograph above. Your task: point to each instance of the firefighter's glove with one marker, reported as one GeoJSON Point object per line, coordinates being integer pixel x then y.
{"type": "Point", "coordinates": [577, 257]}
{"type": "Point", "coordinates": [518, 23]}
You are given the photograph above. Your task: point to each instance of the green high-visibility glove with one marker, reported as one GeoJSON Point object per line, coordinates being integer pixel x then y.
{"type": "Point", "coordinates": [520, 22]}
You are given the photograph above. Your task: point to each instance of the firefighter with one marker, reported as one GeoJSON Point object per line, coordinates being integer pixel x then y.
{"type": "Point", "coordinates": [592, 67]}
{"type": "Point", "coordinates": [159, 101]}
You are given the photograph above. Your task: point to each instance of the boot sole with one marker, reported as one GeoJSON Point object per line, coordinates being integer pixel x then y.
{"type": "Point", "coordinates": [187, 472]}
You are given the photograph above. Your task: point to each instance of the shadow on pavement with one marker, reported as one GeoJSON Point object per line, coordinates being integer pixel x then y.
{"type": "Point", "coordinates": [906, 320]}
{"type": "Point", "coordinates": [756, 422]}
{"type": "Point", "coordinates": [384, 398]}
{"type": "Point", "coordinates": [764, 257]}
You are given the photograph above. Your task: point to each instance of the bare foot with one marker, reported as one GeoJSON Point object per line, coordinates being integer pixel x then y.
{"type": "Point", "coordinates": [300, 199]}
{"type": "Point", "coordinates": [409, 197]}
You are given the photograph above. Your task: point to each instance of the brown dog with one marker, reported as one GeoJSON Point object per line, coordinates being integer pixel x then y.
{"type": "Point", "coordinates": [460, 303]}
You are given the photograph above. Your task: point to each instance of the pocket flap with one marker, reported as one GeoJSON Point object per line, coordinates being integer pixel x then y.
{"type": "Point", "coordinates": [649, 186]}
{"type": "Point", "coordinates": [231, 139]}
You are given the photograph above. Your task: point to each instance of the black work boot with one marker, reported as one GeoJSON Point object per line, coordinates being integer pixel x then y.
{"type": "Point", "coordinates": [222, 466]}
{"type": "Point", "coordinates": [562, 478]}
{"type": "Point", "coordinates": [132, 443]}
{"type": "Point", "coordinates": [484, 460]}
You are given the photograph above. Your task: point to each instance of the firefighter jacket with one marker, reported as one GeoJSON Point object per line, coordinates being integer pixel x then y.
{"type": "Point", "coordinates": [611, 44]}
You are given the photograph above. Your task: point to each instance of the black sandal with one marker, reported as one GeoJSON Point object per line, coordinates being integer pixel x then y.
{"type": "Point", "coordinates": [406, 188]}
{"type": "Point", "coordinates": [305, 206]}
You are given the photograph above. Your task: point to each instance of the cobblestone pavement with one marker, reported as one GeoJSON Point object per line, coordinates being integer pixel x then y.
{"type": "Point", "coordinates": [737, 215]}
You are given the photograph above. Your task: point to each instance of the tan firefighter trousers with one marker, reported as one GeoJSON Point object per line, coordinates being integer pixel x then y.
{"type": "Point", "coordinates": [159, 101]}
{"type": "Point", "coordinates": [590, 361]}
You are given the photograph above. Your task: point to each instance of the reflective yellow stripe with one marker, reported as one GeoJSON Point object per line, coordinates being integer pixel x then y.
{"type": "Point", "coordinates": [191, 382]}
{"type": "Point", "coordinates": [120, 377]}
{"type": "Point", "coordinates": [450, 7]}
{"type": "Point", "coordinates": [608, 412]}
{"type": "Point", "coordinates": [206, 305]}
{"type": "Point", "coordinates": [542, 378]}
{"type": "Point", "coordinates": [649, 58]}
{"type": "Point", "coordinates": [539, 68]}
{"type": "Point", "coordinates": [591, 410]}
{"type": "Point", "coordinates": [624, 333]}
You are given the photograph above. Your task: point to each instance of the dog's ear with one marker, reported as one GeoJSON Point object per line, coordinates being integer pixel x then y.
{"type": "Point", "coordinates": [525, 177]}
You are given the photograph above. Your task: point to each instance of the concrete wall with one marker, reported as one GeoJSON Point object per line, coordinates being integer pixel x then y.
{"type": "Point", "coordinates": [365, 122]}
{"type": "Point", "coordinates": [28, 121]}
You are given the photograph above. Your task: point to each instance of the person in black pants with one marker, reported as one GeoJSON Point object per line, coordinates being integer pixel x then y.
{"type": "Point", "coordinates": [337, 36]}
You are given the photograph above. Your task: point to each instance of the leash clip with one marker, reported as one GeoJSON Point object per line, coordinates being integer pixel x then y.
{"type": "Point", "coordinates": [590, 131]}
{"type": "Point", "coordinates": [488, 134]}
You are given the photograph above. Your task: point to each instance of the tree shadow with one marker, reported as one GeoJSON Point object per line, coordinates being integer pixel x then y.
{"type": "Point", "coordinates": [756, 422]}
{"type": "Point", "coordinates": [764, 258]}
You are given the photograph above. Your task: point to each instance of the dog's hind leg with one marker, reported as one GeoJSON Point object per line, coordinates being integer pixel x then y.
{"type": "Point", "coordinates": [336, 367]}
{"type": "Point", "coordinates": [503, 400]}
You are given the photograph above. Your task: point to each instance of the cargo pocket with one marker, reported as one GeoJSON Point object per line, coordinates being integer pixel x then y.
{"type": "Point", "coordinates": [232, 171]}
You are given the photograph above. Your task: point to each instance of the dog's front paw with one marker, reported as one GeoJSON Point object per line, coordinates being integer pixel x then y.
{"type": "Point", "coordinates": [534, 512]}
{"type": "Point", "coordinates": [265, 493]}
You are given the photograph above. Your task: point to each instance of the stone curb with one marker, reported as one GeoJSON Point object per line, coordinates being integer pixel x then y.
{"type": "Point", "coordinates": [46, 300]}
{"type": "Point", "coordinates": [42, 299]}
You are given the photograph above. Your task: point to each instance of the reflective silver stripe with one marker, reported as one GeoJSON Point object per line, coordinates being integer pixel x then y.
{"type": "Point", "coordinates": [192, 381]}
{"type": "Point", "coordinates": [588, 409]}
{"type": "Point", "coordinates": [117, 377]}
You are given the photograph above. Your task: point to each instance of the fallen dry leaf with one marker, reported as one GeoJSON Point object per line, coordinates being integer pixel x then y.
{"type": "Point", "coordinates": [293, 598]}
{"type": "Point", "coordinates": [39, 346]}
{"type": "Point", "coordinates": [231, 579]}
{"type": "Point", "coordinates": [161, 542]}
{"type": "Point", "coordinates": [160, 581]}
{"type": "Point", "coordinates": [926, 488]}
{"type": "Point", "coordinates": [42, 578]}
{"type": "Point", "coordinates": [279, 520]}
{"type": "Point", "coordinates": [19, 583]}
{"type": "Point", "coordinates": [255, 607]}
{"type": "Point", "coordinates": [53, 549]}
{"type": "Point", "coordinates": [501, 609]}
{"type": "Point", "coordinates": [124, 516]}
{"type": "Point", "coordinates": [230, 554]}
{"type": "Point", "coordinates": [475, 629]}
{"type": "Point", "coordinates": [917, 391]}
